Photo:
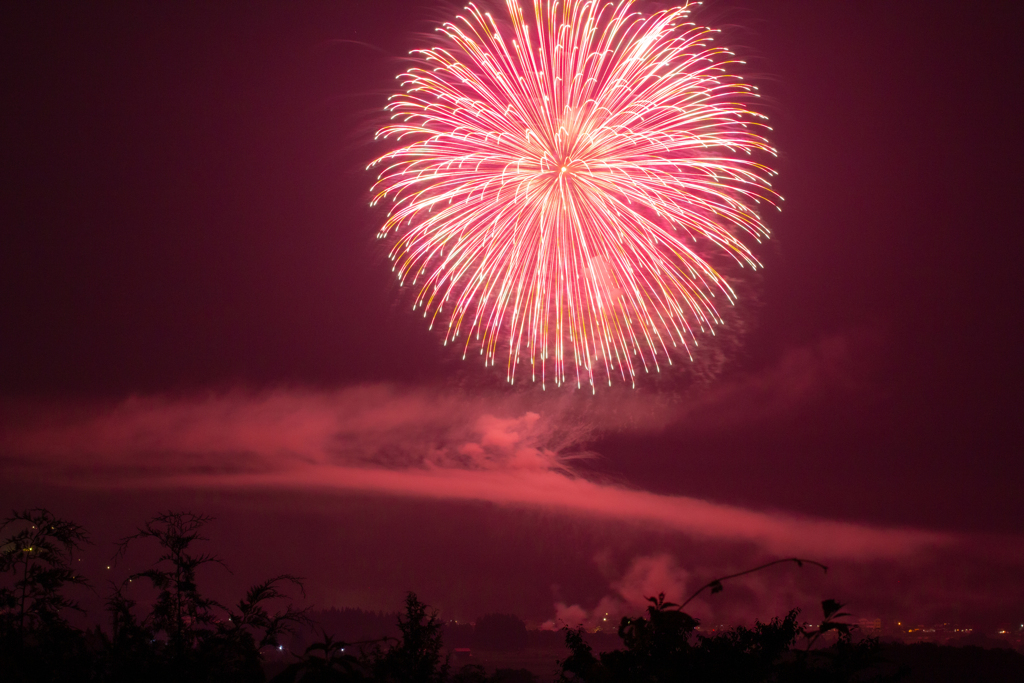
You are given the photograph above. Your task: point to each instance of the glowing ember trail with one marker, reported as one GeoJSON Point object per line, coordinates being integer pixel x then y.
{"type": "Point", "coordinates": [564, 180]}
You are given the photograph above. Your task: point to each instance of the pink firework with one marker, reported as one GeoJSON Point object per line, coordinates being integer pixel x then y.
{"type": "Point", "coordinates": [563, 181]}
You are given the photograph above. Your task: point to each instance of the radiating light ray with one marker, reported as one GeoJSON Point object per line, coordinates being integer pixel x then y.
{"type": "Point", "coordinates": [563, 180]}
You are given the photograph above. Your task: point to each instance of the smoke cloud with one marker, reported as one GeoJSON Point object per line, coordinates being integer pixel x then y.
{"type": "Point", "coordinates": [520, 450]}
{"type": "Point", "coordinates": [513, 451]}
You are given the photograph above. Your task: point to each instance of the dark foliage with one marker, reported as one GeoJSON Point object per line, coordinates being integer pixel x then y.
{"type": "Point", "coordinates": [931, 663]}
{"type": "Point", "coordinates": [327, 661]}
{"type": "Point", "coordinates": [416, 657]}
{"type": "Point", "coordinates": [184, 636]}
{"type": "Point", "coordinates": [665, 646]}
{"type": "Point", "coordinates": [182, 617]}
{"type": "Point", "coordinates": [36, 562]}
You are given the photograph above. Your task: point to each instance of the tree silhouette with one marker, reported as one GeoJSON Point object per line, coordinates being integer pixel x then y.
{"type": "Point", "coordinates": [180, 611]}
{"type": "Point", "coordinates": [204, 639]}
{"type": "Point", "coordinates": [38, 556]}
{"type": "Point", "coordinates": [664, 645]}
{"type": "Point", "coordinates": [327, 661]}
{"type": "Point", "coordinates": [183, 636]}
{"type": "Point", "coordinates": [36, 568]}
{"type": "Point", "coordinates": [232, 652]}
{"type": "Point", "coordinates": [416, 656]}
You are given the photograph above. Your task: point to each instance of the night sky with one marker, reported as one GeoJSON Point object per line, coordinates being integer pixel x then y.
{"type": "Point", "coordinates": [196, 315]}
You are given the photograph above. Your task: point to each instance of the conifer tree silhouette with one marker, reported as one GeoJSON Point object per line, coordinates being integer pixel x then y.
{"type": "Point", "coordinates": [37, 566]}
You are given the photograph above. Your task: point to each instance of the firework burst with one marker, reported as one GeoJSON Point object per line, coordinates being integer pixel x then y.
{"type": "Point", "coordinates": [564, 181]}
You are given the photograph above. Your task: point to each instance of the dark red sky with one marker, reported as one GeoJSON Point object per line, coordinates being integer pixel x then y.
{"type": "Point", "coordinates": [184, 219]}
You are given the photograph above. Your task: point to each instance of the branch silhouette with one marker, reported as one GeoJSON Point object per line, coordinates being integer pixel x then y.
{"type": "Point", "coordinates": [716, 584]}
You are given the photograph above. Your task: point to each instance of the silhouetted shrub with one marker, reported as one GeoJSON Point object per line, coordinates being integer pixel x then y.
{"type": "Point", "coordinates": [187, 636]}
{"type": "Point", "coordinates": [327, 661]}
{"type": "Point", "coordinates": [416, 657]}
{"type": "Point", "coordinates": [664, 646]}
{"type": "Point", "coordinates": [36, 566]}
{"type": "Point", "coordinates": [184, 636]}
{"type": "Point", "coordinates": [931, 663]}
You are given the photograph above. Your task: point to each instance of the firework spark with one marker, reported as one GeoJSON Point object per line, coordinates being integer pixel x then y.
{"type": "Point", "coordinates": [563, 184]}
